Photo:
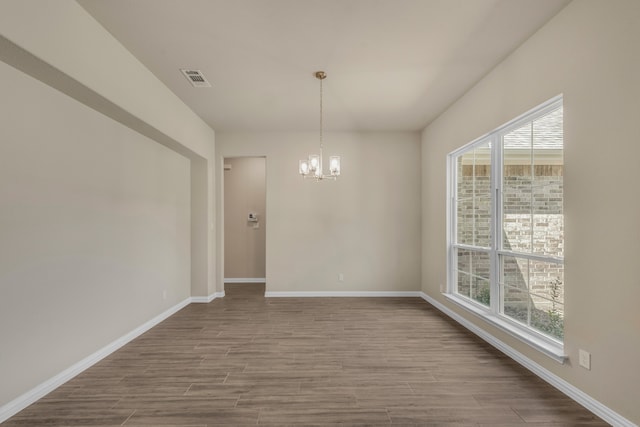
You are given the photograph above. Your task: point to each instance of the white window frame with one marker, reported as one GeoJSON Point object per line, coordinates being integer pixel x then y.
{"type": "Point", "coordinates": [492, 314]}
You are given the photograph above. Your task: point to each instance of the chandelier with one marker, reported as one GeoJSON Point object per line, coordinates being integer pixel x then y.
{"type": "Point", "coordinates": [312, 166]}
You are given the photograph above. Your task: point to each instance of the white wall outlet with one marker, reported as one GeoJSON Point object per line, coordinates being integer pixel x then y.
{"type": "Point", "coordinates": [443, 289]}
{"type": "Point", "coordinates": [340, 277]}
{"type": "Point", "coordinates": [164, 294]}
{"type": "Point", "coordinates": [584, 358]}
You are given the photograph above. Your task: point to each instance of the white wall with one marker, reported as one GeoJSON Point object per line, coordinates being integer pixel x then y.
{"type": "Point", "coordinates": [589, 52]}
{"type": "Point", "coordinates": [366, 225]}
{"type": "Point", "coordinates": [95, 226]}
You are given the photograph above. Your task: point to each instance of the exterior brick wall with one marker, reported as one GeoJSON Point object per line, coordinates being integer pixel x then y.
{"type": "Point", "coordinates": [526, 202]}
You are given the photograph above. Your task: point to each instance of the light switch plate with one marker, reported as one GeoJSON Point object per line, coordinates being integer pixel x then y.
{"type": "Point", "coordinates": [584, 359]}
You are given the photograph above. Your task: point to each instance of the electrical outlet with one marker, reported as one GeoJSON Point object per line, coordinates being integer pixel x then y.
{"type": "Point", "coordinates": [340, 277]}
{"type": "Point", "coordinates": [164, 294]}
{"type": "Point", "coordinates": [442, 288]}
{"type": "Point", "coordinates": [584, 358]}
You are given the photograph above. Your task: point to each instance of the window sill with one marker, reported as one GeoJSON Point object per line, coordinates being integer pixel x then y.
{"type": "Point", "coordinates": [546, 346]}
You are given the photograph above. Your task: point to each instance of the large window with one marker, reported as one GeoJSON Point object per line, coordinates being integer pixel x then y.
{"type": "Point", "coordinates": [506, 226]}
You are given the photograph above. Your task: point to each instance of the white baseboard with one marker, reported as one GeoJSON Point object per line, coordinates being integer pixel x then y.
{"type": "Point", "coordinates": [245, 280]}
{"type": "Point", "coordinates": [19, 403]}
{"type": "Point", "coordinates": [570, 390]}
{"type": "Point", "coordinates": [304, 294]}
{"type": "Point", "coordinates": [207, 299]}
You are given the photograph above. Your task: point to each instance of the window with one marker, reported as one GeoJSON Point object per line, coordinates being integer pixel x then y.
{"type": "Point", "coordinates": [506, 227]}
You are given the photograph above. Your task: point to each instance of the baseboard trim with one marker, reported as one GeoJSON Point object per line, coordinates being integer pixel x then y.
{"type": "Point", "coordinates": [245, 280]}
{"type": "Point", "coordinates": [570, 390]}
{"type": "Point", "coordinates": [325, 294]}
{"type": "Point", "coordinates": [19, 403]}
{"type": "Point", "coordinates": [207, 299]}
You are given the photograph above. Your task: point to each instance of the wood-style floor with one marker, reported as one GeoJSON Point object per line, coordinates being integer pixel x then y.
{"type": "Point", "coordinates": [247, 360]}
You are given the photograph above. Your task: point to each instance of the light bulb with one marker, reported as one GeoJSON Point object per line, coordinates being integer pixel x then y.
{"type": "Point", "coordinates": [334, 165]}
{"type": "Point", "coordinates": [304, 167]}
{"type": "Point", "coordinates": [314, 162]}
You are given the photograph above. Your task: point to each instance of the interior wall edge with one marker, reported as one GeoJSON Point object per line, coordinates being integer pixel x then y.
{"type": "Point", "coordinates": [207, 299]}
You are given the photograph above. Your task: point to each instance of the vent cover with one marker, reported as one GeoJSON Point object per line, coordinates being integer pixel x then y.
{"type": "Point", "coordinates": [195, 77]}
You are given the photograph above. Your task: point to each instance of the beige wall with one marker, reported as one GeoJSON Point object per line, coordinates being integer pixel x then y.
{"type": "Point", "coordinates": [98, 219]}
{"type": "Point", "coordinates": [62, 45]}
{"type": "Point", "coordinates": [95, 225]}
{"type": "Point", "coordinates": [366, 225]}
{"type": "Point", "coordinates": [589, 52]}
{"type": "Point", "coordinates": [244, 241]}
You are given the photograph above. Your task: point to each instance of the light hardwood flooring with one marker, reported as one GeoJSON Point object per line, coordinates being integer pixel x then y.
{"type": "Point", "coordinates": [247, 360]}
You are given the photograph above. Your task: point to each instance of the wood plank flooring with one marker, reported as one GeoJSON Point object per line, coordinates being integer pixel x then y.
{"type": "Point", "coordinates": [247, 360]}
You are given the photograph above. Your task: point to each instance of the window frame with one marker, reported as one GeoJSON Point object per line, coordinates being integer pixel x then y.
{"type": "Point", "coordinates": [553, 348]}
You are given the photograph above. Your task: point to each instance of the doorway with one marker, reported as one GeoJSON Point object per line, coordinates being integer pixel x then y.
{"type": "Point", "coordinates": [245, 222]}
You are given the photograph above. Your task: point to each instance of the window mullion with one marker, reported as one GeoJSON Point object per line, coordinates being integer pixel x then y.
{"type": "Point", "coordinates": [452, 178]}
{"type": "Point", "coordinates": [530, 256]}
{"type": "Point", "coordinates": [531, 199]}
{"type": "Point", "coordinates": [496, 213]}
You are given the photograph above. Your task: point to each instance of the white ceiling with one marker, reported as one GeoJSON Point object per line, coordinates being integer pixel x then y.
{"type": "Point", "coordinates": [391, 64]}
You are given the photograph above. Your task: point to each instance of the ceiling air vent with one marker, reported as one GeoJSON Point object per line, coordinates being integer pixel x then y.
{"type": "Point", "coordinates": [195, 77]}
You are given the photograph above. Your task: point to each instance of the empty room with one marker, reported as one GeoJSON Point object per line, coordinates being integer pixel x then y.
{"type": "Point", "coordinates": [348, 212]}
